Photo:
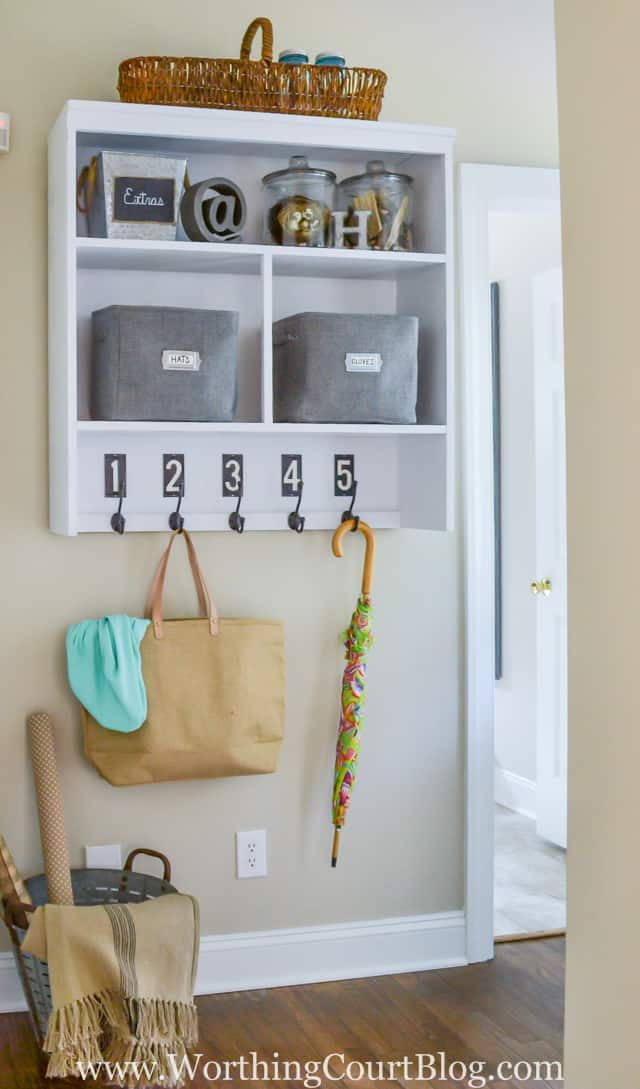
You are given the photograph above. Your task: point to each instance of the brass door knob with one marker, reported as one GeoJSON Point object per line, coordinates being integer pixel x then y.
{"type": "Point", "coordinates": [541, 586]}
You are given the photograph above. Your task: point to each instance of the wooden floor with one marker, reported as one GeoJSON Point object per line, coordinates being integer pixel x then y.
{"type": "Point", "coordinates": [508, 1009]}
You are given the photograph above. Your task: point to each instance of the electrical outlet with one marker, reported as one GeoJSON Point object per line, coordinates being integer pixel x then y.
{"type": "Point", "coordinates": [107, 856]}
{"type": "Point", "coordinates": [251, 853]}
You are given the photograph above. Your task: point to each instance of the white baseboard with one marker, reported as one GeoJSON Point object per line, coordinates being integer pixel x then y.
{"type": "Point", "coordinates": [279, 958]}
{"type": "Point", "coordinates": [11, 996]}
{"type": "Point", "coordinates": [313, 954]}
{"type": "Point", "coordinates": [515, 792]}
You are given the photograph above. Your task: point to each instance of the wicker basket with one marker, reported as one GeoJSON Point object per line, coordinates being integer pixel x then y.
{"type": "Point", "coordinates": [245, 84]}
{"type": "Point", "coordinates": [89, 887]}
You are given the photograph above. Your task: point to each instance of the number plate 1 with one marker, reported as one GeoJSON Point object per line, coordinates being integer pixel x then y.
{"type": "Point", "coordinates": [115, 476]}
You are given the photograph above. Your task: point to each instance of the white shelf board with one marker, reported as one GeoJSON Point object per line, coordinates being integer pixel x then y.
{"type": "Point", "coordinates": [125, 254]}
{"type": "Point", "coordinates": [255, 520]}
{"type": "Point", "coordinates": [121, 125]}
{"type": "Point", "coordinates": [367, 264]}
{"type": "Point", "coordinates": [239, 257]}
{"type": "Point", "coordinates": [158, 427]}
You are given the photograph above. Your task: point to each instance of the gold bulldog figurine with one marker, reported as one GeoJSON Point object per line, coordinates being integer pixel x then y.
{"type": "Point", "coordinates": [299, 221]}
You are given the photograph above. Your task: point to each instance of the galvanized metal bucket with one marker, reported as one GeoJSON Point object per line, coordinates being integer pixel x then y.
{"type": "Point", "coordinates": [89, 887]}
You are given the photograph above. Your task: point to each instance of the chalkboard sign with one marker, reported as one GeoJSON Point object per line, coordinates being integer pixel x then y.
{"type": "Point", "coordinates": [144, 200]}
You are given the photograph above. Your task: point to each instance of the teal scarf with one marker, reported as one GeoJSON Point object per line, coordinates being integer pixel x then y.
{"type": "Point", "coordinates": [105, 670]}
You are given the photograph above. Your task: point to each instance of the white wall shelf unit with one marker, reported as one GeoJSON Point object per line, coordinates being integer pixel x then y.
{"type": "Point", "coordinates": [404, 473]}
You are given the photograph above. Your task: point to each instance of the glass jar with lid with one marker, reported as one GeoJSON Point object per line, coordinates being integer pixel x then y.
{"type": "Point", "coordinates": [298, 203]}
{"type": "Point", "coordinates": [388, 198]}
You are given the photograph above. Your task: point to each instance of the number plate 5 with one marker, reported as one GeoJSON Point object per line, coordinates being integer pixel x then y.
{"type": "Point", "coordinates": [344, 474]}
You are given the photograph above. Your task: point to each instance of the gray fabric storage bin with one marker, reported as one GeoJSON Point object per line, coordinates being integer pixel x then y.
{"type": "Point", "coordinates": [163, 363]}
{"type": "Point", "coordinates": [345, 368]}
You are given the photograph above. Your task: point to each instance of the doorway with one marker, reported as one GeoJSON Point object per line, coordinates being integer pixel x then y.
{"type": "Point", "coordinates": [510, 235]}
{"type": "Point", "coordinates": [529, 485]}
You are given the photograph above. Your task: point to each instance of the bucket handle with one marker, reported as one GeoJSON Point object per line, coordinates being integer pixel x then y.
{"type": "Point", "coordinates": [128, 866]}
{"type": "Point", "coordinates": [16, 913]}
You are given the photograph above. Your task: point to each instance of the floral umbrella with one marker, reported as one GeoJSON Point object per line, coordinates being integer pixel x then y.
{"type": "Point", "coordinates": [357, 639]}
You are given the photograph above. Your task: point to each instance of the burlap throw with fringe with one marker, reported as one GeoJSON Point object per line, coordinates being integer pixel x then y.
{"type": "Point", "coordinates": [122, 978]}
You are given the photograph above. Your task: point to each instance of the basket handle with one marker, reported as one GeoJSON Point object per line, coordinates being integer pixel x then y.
{"type": "Point", "coordinates": [128, 866]}
{"type": "Point", "coordinates": [266, 26]}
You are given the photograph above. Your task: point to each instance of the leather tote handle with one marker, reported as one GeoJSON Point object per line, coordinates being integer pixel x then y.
{"type": "Point", "coordinates": [156, 594]}
{"type": "Point", "coordinates": [266, 26]}
{"type": "Point", "coordinates": [160, 576]}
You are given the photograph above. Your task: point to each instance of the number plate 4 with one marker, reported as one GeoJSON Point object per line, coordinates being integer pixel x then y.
{"type": "Point", "coordinates": [291, 475]}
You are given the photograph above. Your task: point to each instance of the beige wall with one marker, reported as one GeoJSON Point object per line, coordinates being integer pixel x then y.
{"type": "Point", "coordinates": [599, 88]}
{"type": "Point", "coordinates": [487, 69]}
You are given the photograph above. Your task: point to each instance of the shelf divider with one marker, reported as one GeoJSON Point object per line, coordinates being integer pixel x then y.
{"type": "Point", "coordinates": [267, 338]}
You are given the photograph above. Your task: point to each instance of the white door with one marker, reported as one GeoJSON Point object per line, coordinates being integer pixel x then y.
{"type": "Point", "coordinates": [549, 581]}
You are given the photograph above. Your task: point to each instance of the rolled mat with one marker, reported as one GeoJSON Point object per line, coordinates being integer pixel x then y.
{"type": "Point", "coordinates": [11, 883]}
{"type": "Point", "coordinates": [50, 808]}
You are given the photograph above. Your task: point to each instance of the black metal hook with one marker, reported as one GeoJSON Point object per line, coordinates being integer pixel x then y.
{"type": "Point", "coordinates": [118, 520]}
{"type": "Point", "coordinates": [348, 514]}
{"type": "Point", "coordinates": [236, 521]}
{"type": "Point", "coordinates": [296, 521]}
{"type": "Point", "coordinates": [176, 520]}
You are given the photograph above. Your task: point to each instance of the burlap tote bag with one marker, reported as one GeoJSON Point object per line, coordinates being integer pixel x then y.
{"type": "Point", "coordinates": [215, 693]}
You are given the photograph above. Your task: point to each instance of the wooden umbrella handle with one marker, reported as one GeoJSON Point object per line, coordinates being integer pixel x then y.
{"type": "Point", "coordinates": [370, 548]}
{"type": "Point", "coordinates": [336, 847]}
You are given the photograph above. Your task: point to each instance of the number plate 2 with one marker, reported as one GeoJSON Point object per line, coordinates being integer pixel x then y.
{"type": "Point", "coordinates": [172, 475]}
